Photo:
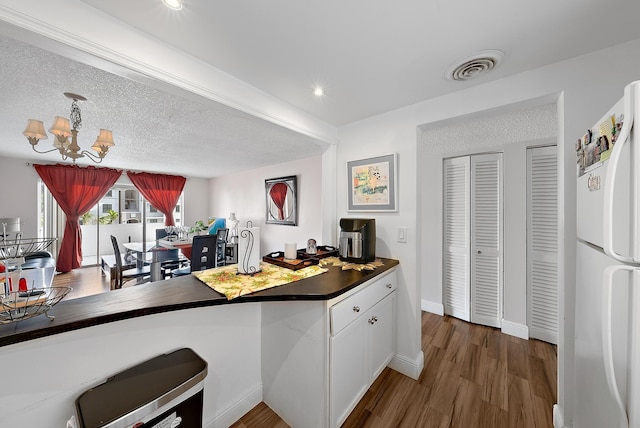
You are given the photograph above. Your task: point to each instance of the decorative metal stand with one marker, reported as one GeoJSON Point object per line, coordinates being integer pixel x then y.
{"type": "Point", "coordinates": [245, 263]}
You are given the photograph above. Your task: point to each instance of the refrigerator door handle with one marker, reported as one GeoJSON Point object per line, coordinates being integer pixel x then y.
{"type": "Point", "coordinates": [607, 341]}
{"type": "Point", "coordinates": [609, 184]}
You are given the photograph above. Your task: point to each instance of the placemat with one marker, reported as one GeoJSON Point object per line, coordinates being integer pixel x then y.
{"type": "Point", "coordinates": [227, 281]}
{"type": "Point", "coordinates": [335, 261]}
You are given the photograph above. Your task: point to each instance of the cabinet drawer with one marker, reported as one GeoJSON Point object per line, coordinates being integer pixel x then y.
{"type": "Point", "coordinates": [345, 312]}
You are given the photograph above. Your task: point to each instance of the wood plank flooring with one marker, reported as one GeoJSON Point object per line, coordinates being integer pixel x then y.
{"type": "Point", "coordinates": [474, 376]}
{"type": "Point", "coordinates": [84, 281]}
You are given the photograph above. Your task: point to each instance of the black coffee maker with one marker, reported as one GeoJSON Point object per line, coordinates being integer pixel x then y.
{"type": "Point", "coordinates": [357, 240]}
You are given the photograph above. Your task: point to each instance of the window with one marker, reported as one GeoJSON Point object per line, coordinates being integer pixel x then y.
{"type": "Point", "coordinates": [131, 200]}
{"type": "Point", "coordinates": [108, 217]}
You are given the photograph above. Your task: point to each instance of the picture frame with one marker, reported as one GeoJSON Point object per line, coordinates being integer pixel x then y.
{"type": "Point", "coordinates": [372, 184]}
{"type": "Point", "coordinates": [281, 200]}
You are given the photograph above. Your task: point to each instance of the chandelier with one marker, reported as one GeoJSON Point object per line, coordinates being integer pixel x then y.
{"type": "Point", "coordinates": [62, 130]}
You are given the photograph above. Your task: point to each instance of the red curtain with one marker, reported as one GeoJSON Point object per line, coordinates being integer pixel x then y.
{"type": "Point", "coordinates": [162, 191]}
{"type": "Point", "coordinates": [76, 190]}
{"type": "Point", "coordinates": [278, 194]}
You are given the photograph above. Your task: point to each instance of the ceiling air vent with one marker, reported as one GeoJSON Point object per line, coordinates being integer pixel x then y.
{"type": "Point", "coordinates": [475, 65]}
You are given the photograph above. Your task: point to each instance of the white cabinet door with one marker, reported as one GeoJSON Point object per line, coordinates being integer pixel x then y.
{"type": "Point", "coordinates": [542, 243]}
{"type": "Point", "coordinates": [486, 239]}
{"type": "Point", "coordinates": [381, 339]}
{"type": "Point", "coordinates": [456, 237]}
{"type": "Point", "coordinates": [349, 377]}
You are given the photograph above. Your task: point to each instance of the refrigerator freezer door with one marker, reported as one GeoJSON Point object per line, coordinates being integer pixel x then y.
{"type": "Point", "coordinates": [590, 192]}
{"type": "Point", "coordinates": [595, 406]}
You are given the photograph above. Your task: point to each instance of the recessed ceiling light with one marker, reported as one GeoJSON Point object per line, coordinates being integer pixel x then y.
{"type": "Point", "coordinates": [173, 4]}
{"type": "Point", "coordinates": [318, 91]}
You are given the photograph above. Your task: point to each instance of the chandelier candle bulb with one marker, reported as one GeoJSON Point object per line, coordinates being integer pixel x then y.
{"type": "Point", "coordinates": [290, 250]}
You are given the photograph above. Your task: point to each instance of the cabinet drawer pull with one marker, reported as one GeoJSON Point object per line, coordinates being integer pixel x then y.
{"type": "Point", "coordinates": [375, 318]}
{"type": "Point", "coordinates": [356, 309]}
{"type": "Point", "coordinates": [371, 321]}
{"type": "Point", "coordinates": [389, 285]}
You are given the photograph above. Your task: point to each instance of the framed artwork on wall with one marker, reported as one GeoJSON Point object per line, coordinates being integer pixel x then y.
{"type": "Point", "coordinates": [282, 206]}
{"type": "Point", "coordinates": [372, 184]}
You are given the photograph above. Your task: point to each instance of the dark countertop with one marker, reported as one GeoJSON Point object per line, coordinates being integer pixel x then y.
{"type": "Point", "coordinates": [184, 292]}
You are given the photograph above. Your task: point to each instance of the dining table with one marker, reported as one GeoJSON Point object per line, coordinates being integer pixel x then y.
{"type": "Point", "coordinates": [158, 256]}
{"type": "Point", "coordinates": [184, 245]}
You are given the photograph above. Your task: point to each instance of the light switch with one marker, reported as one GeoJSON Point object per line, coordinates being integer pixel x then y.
{"type": "Point", "coordinates": [402, 234]}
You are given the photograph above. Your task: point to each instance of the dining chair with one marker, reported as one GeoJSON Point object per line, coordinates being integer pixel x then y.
{"type": "Point", "coordinates": [170, 259]}
{"type": "Point", "coordinates": [203, 255]}
{"type": "Point", "coordinates": [122, 275]}
{"type": "Point", "coordinates": [221, 246]}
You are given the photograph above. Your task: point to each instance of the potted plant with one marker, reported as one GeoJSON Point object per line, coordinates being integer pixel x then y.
{"type": "Point", "coordinates": [86, 218]}
{"type": "Point", "coordinates": [198, 227]}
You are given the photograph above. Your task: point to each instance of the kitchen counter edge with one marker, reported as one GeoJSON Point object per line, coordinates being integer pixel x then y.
{"type": "Point", "coordinates": [174, 294]}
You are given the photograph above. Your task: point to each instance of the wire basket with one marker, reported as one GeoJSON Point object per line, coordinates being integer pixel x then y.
{"type": "Point", "coordinates": [23, 247]}
{"type": "Point", "coordinates": [22, 305]}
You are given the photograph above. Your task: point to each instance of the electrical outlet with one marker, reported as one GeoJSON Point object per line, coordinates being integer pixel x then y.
{"type": "Point", "coordinates": [402, 234]}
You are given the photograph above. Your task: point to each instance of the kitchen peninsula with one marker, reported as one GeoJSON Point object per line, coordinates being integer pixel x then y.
{"type": "Point", "coordinates": [272, 346]}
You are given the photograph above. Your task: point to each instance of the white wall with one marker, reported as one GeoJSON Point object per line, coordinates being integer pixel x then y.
{"type": "Point", "coordinates": [584, 87]}
{"type": "Point", "coordinates": [18, 190]}
{"type": "Point", "coordinates": [47, 375]}
{"type": "Point", "coordinates": [244, 194]}
{"type": "Point", "coordinates": [196, 200]}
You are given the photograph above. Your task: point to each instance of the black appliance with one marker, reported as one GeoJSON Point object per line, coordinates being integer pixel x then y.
{"type": "Point", "coordinates": [357, 240]}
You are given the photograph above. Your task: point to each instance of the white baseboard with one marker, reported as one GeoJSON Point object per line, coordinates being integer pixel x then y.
{"type": "Point", "coordinates": [433, 307]}
{"type": "Point", "coordinates": [515, 329]}
{"type": "Point", "coordinates": [407, 366]}
{"type": "Point", "coordinates": [558, 420]}
{"type": "Point", "coordinates": [235, 411]}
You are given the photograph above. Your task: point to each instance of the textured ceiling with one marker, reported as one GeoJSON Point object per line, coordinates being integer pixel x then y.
{"type": "Point", "coordinates": [496, 129]}
{"type": "Point", "coordinates": [372, 56]}
{"type": "Point", "coordinates": [153, 130]}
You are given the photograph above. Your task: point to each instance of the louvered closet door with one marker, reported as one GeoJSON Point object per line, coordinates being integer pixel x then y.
{"type": "Point", "coordinates": [486, 239]}
{"type": "Point", "coordinates": [456, 237]}
{"type": "Point", "coordinates": [542, 243]}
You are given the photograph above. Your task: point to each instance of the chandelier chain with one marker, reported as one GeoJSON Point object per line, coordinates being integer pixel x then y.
{"type": "Point", "coordinates": [76, 118]}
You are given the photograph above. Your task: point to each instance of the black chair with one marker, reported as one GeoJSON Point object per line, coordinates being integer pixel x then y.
{"type": "Point", "coordinates": [123, 276]}
{"type": "Point", "coordinates": [221, 246]}
{"type": "Point", "coordinates": [203, 255]}
{"type": "Point", "coordinates": [170, 259]}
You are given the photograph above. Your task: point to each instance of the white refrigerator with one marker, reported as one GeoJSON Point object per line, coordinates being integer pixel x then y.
{"type": "Point", "coordinates": [607, 312]}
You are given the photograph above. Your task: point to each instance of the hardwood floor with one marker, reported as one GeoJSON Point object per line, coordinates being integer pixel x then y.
{"type": "Point", "coordinates": [474, 376]}
{"type": "Point", "coordinates": [84, 281]}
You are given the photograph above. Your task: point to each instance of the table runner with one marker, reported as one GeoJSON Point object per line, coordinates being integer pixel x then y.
{"type": "Point", "coordinates": [227, 281]}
